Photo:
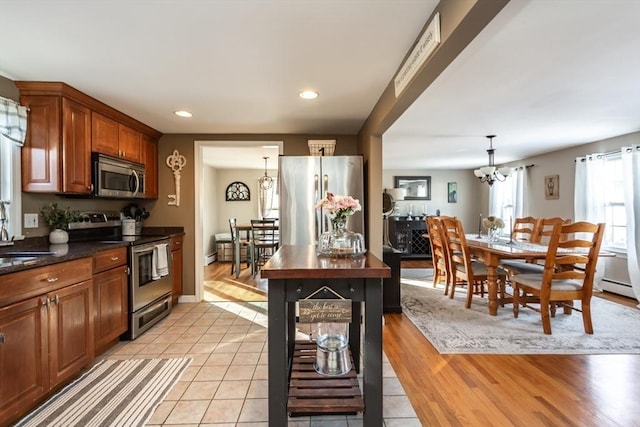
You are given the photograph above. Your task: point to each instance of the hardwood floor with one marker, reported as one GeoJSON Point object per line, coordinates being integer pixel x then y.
{"type": "Point", "coordinates": [504, 390]}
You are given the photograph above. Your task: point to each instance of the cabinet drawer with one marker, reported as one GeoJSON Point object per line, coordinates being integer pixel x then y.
{"type": "Point", "coordinates": [105, 260]}
{"type": "Point", "coordinates": [40, 280]}
{"type": "Point", "coordinates": [176, 243]}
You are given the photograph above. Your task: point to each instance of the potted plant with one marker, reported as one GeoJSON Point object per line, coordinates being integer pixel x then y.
{"type": "Point", "coordinates": [58, 219]}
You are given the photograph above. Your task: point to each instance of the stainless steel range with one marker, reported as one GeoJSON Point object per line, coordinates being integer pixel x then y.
{"type": "Point", "coordinates": [150, 275]}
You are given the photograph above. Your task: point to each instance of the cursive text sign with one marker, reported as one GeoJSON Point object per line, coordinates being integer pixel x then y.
{"type": "Point", "coordinates": [325, 310]}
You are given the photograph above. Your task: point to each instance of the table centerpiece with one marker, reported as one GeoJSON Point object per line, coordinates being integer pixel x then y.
{"type": "Point", "coordinates": [340, 242]}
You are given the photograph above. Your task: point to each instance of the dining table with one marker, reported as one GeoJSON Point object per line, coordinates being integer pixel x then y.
{"type": "Point", "coordinates": [246, 228]}
{"type": "Point", "coordinates": [492, 252]}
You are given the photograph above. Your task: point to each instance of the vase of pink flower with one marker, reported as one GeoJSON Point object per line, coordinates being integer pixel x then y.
{"type": "Point", "coordinates": [339, 241]}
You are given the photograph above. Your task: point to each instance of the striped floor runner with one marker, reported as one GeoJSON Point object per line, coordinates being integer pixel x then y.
{"type": "Point", "coordinates": [112, 393]}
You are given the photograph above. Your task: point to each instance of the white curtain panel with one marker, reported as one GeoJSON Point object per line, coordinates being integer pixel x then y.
{"type": "Point", "coordinates": [631, 173]}
{"type": "Point", "coordinates": [520, 183]}
{"type": "Point", "coordinates": [506, 199]}
{"type": "Point", "coordinates": [589, 199]}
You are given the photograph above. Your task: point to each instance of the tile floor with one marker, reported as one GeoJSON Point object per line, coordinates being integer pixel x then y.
{"type": "Point", "coordinates": [226, 382]}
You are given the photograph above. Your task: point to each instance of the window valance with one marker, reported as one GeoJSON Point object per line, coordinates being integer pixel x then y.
{"type": "Point", "coordinates": [13, 121]}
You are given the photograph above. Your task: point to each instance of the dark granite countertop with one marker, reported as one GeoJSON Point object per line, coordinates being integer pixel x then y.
{"type": "Point", "coordinates": [61, 253]}
{"type": "Point", "coordinates": [68, 251]}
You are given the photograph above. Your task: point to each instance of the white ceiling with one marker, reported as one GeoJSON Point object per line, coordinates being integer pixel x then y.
{"type": "Point", "coordinates": [542, 75]}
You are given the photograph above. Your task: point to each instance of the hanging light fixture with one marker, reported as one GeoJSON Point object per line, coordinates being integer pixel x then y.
{"type": "Point", "coordinates": [491, 173]}
{"type": "Point", "coordinates": [265, 182]}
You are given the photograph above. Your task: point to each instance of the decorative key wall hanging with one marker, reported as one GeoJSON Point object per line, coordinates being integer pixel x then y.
{"type": "Point", "coordinates": [176, 162]}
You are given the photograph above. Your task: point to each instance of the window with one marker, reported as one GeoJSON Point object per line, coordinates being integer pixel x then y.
{"type": "Point", "coordinates": [600, 196]}
{"type": "Point", "coordinates": [269, 201]}
{"type": "Point", "coordinates": [507, 198]}
{"type": "Point", "coordinates": [614, 210]}
{"type": "Point", "coordinates": [13, 129]}
{"type": "Point", "coordinates": [10, 190]}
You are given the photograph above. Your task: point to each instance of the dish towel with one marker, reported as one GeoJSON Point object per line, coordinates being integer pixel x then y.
{"type": "Point", "coordinates": [159, 263]}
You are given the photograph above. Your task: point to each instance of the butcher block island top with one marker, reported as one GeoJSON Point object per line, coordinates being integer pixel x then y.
{"type": "Point", "coordinates": [302, 262]}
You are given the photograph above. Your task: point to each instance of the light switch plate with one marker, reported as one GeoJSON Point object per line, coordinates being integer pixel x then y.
{"type": "Point", "coordinates": [31, 220]}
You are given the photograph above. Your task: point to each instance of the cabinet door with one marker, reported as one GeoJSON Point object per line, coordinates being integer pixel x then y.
{"type": "Point", "coordinates": [70, 331]}
{"type": "Point", "coordinates": [76, 148]}
{"type": "Point", "coordinates": [129, 143]}
{"type": "Point", "coordinates": [23, 357]}
{"type": "Point", "coordinates": [150, 160]}
{"type": "Point", "coordinates": [104, 134]}
{"type": "Point", "coordinates": [41, 151]}
{"type": "Point", "coordinates": [110, 304]}
{"type": "Point", "coordinates": [176, 266]}
{"type": "Point", "coordinates": [403, 241]}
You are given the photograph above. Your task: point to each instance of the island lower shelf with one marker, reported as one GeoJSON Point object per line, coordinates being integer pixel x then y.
{"type": "Point", "coordinates": [311, 393]}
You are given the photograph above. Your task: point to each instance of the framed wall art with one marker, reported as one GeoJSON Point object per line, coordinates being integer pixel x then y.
{"type": "Point", "coordinates": [237, 191]}
{"type": "Point", "coordinates": [452, 192]}
{"type": "Point", "coordinates": [552, 187]}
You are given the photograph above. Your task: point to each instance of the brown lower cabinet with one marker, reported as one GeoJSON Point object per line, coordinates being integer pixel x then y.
{"type": "Point", "coordinates": [47, 338]}
{"type": "Point", "coordinates": [176, 267]}
{"type": "Point", "coordinates": [110, 297]}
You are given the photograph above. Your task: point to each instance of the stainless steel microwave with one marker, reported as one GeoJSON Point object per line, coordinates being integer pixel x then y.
{"type": "Point", "coordinates": [117, 178]}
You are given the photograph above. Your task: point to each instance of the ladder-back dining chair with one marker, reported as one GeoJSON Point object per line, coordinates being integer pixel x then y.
{"type": "Point", "coordinates": [265, 241]}
{"type": "Point", "coordinates": [245, 242]}
{"type": "Point", "coordinates": [545, 229]}
{"type": "Point", "coordinates": [438, 256]}
{"type": "Point", "coordinates": [474, 273]}
{"type": "Point", "coordinates": [568, 273]}
{"type": "Point", "coordinates": [525, 229]}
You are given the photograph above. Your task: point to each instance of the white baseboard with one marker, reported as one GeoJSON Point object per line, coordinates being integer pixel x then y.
{"type": "Point", "coordinates": [209, 259]}
{"type": "Point", "coordinates": [187, 298]}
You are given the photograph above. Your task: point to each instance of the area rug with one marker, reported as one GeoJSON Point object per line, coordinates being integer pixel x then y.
{"type": "Point", "coordinates": [453, 329]}
{"type": "Point", "coordinates": [112, 393]}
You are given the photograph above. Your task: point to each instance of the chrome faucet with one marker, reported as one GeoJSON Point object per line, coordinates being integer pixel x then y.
{"type": "Point", "coordinates": [4, 235]}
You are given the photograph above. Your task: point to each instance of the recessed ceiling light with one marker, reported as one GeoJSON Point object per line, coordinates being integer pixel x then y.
{"type": "Point", "coordinates": [182, 113]}
{"type": "Point", "coordinates": [308, 94]}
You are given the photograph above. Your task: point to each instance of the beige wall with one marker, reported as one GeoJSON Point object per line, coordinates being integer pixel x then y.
{"type": "Point", "coordinates": [209, 212]}
{"type": "Point", "coordinates": [243, 211]}
{"type": "Point", "coordinates": [184, 215]}
{"type": "Point", "coordinates": [468, 196]}
{"type": "Point", "coordinates": [562, 163]}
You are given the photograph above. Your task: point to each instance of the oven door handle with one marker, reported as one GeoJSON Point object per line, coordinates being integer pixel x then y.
{"type": "Point", "coordinates": [141, 249]}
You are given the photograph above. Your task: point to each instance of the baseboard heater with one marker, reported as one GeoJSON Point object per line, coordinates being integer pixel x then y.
{"type": "Point", "coordinates": [616, 287]}
{"type": "Point", "coordinates": [210, 258]}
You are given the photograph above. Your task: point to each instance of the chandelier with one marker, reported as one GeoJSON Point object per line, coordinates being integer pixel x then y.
{"type": "Point", "coordinates": [265, 182]}
{"type": "Point", "coordinates": [491, 173]}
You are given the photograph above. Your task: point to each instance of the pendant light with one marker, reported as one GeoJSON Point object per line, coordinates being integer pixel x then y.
{"type": "Point", "coordinates": [265, 182]}
{"type": "Point", "coordinates": [491, 173]}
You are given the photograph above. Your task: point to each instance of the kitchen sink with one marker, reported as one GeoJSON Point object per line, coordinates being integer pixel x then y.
{"type": "Point", "coordinates": [21, 257]}
{"type": "Point", "coordinates": [29, 254]}
{"type": "Point", "coordinates": [6, 261]}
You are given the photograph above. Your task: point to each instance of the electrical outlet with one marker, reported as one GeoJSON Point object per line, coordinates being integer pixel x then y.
{"type": "Point", "coordinates": [31, 220]}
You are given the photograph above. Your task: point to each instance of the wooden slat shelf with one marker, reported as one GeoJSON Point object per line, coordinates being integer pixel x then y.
{"type": "Point", "coordinates": [311, 393]}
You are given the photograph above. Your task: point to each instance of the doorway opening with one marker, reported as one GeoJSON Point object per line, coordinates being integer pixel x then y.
{"type": "Point", "coordinates": [219, 163]}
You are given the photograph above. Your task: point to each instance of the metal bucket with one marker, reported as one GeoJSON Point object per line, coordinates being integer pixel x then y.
{"type": "Point", "coordinates": [332, 355]}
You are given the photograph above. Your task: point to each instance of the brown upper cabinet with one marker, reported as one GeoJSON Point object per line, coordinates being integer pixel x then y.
{"type": "Point", "coordinates": [56, 157]}
{"type": "Point", "coordinates": [114, 139]}
{"type": "Point", "coordinates": [65, 126]}
{"type": "Point", "coordinates": [149, 149]}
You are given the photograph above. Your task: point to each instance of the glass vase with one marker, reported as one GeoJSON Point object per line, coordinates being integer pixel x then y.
{"type": "Point", "coordinates": [340, 242]}
{"type": "Point", "coordinates": [493, 234]}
